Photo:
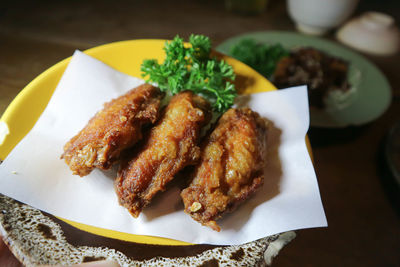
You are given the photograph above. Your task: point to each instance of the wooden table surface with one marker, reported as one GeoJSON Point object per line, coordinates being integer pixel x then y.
{"type": "Point", "coordinates": [359, 201]}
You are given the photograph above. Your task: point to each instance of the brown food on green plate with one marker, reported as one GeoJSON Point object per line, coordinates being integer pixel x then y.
{"type": "Point", "coordinates": [231, 168]}
{"type": "Point", "coordinates": [117, 127]}
{"type": "Point", "coordinates": [320, 72]}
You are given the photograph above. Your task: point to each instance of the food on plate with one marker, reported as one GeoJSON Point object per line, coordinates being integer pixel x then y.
{"type": "Point", "coordinates": [322, 73]}
{"type": "Point", "coordinates": [230, 160]}
{"type": "Point", "coordinates": [117, 127]}
{"type": "Point", "coordinates": [325, 76]}
{"type": "Point", "coordinates": [261, 57]}
{"type": "Point", "coordinates": [171, 145]}
{"type": "Point", "coordinates": [231, 167]}
{"type": "Point", "coordinates": [190, 67]}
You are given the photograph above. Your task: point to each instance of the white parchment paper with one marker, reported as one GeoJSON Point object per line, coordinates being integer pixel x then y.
{"type": "Point", "coordinates": [34, 174]}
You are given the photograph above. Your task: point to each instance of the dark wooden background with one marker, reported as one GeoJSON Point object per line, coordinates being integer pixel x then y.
{"type": "Point", "coordinates": [360, 200]}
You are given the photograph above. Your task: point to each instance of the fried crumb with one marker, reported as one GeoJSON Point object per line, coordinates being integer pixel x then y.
{"type": "Point", "coordinates": [123, 118]}
{"type": "Point", "coordinates": [196, 206]}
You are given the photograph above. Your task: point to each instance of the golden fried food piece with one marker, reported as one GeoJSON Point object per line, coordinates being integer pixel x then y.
{"type": "Point", "coordinates": [171, 146]}
{"type": "Point", "coordinates": [230, 169]}
{"type": "Point", "coordinates": [117, 127]}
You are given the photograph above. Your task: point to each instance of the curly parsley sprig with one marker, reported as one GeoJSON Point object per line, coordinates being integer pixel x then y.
{"type": "Point", "coordinates": [192, 68]}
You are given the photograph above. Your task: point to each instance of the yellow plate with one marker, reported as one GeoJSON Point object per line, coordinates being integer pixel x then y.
{"type": "Point", "coordinates": [125, 56]}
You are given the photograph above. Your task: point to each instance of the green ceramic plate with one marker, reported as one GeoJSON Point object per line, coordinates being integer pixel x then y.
{"type": "Point", "coordinates": [372, 91]}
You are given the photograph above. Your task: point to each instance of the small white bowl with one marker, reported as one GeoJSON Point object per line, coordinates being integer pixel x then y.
{"type": "Point", "coordinates": [373, 32]}
{"type": "Point", "coordinates": [316, 17]}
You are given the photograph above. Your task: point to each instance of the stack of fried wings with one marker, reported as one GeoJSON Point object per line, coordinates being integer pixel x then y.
{"type": "Point", "coordinates": [228, 164]}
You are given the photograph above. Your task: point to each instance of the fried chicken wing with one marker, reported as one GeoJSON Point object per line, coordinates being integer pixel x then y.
{"type": "Point", "coordinates": [230, 169]}
{"type": "Point", "coordinates": [113, 129]}
{"type": "Point", "coordinates": [172, 145]}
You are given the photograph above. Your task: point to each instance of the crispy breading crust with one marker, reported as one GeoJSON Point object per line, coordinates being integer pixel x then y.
{"type": "Point", "coordinates": [117, 127]}
{"type": "Point", "coordinates": [231, 167]}
{"type": "Point", "coordinates": [172, 145]}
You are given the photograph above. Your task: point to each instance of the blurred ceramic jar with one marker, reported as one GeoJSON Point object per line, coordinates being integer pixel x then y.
{"type": "Point", "coordinates": [316, 17]}
{"type": "Point", "coordinates": [373, 32]}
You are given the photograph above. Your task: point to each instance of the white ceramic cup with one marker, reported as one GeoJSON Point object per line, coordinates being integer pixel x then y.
{"type": "Point", "coordinates": [316, 17]}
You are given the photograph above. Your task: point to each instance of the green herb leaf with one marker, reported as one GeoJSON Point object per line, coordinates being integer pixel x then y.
{"type": "Point", "coordinates": [263, 58]}
{"type": "Point", "coordinates": [192, 68]}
